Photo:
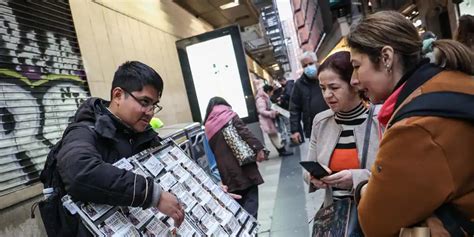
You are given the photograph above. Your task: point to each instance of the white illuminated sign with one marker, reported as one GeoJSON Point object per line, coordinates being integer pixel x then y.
{"type": "Point", "coordinates": [215, 73]}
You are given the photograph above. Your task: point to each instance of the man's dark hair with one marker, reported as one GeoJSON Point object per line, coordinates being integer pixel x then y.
{"type": "Point", "coordinates": [267, 88]}
{"type": "Point", "coordinates": [134, 75]}
{"type": "Point", "coordinates": [213, 102]}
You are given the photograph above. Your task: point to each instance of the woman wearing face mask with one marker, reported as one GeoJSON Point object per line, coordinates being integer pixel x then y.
{"type": "Point", "coordinates": [306, 99]}
{"type": "Point", "coordinates": [337, 136]}
{"type": "Point", "coordinates": [424, 169]}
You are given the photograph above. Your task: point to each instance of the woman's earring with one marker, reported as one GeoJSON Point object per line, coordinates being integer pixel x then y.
{"type": "Point", "coordinates": [389, 70]}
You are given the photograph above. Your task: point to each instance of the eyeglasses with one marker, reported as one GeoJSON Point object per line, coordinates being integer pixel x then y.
{"type": "Point", "coordinates": [147, 105]}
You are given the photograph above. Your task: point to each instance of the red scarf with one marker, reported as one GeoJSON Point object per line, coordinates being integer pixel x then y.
{"type": "Point", "coordinates": [388, 107]}
{"type": "Point", "coordinates": [217, 119]}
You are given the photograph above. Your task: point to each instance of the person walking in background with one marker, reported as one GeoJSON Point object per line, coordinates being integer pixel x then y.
{"type": "Point", "coordinates": [306, 99]}
{"type": "Point", "coordinates": [267, 116]}
{"type": "Point", "coordinates": [338, 134]}
{"type": "Point", "coordinates": [283, 99]}
{"type": "Point", "coordinates": [423, 172]}
{"type": "Point", "coordinates": [241, 180]}
{"type": "Point", "coordinates": [465, 31]}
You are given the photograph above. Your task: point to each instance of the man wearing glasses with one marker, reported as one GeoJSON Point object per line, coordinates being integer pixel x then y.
{"type": "Point", "coordinates": [104, 132]}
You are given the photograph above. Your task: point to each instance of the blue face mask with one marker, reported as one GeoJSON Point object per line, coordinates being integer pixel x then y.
{"type": "Point", "coordinates": [311, 71]}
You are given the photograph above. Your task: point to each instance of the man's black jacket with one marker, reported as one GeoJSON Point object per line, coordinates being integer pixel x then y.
{"type": "Point", "coordinates": [87, 153]}
{"type": "Point", "coordinates": [285, 94]}
{"type": "Point", "coordinates": [306, 101]}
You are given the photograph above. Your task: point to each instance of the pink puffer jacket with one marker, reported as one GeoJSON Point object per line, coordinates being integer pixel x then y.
{"type": "Point", "coordinates": [266, 116]}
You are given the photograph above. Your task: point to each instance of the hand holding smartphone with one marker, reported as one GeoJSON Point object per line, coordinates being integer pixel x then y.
{"type": "Point", "coordinates": [315, 169]}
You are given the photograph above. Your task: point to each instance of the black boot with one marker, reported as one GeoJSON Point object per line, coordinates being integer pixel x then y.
{"type": "Point", "coordinates": [283, 152]}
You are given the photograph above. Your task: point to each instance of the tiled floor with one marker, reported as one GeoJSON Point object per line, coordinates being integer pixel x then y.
{"type": "Point", "coordinates": [284, 204]}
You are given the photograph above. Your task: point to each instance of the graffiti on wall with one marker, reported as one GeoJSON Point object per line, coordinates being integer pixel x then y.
{"type": "Point", "coordinates": [42, 83]}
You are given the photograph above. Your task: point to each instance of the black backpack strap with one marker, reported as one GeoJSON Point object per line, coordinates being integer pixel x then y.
{"type": "Point", "coordinates": [453, 220]}
{"type": "Point", "coordinates": [447, 105]}
{"type": "Point", "coordinates": [48, 175]}
{"type": "Point", "coordinates": [418, 77]}
{"type": "Point", "coordinates": [439, 104]}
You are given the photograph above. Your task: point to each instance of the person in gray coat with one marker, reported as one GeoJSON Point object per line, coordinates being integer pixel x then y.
{"type": "Point", "coordinates": [337, 135]}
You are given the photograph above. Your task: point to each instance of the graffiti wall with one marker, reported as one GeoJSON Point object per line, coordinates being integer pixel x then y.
{"type": "Point", "coordinates": [42, 83]}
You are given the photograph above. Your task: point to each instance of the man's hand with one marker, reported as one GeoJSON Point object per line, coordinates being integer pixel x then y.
{"type": "Point", "coordinates": [170, 206]}
{"type": "Point", "coordinates": [341, 179]}
{"type": "Point", "coordinates": [296, 138]}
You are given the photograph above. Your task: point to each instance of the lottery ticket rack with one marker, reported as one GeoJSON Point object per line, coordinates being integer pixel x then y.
{"type": "Point", "coordinates": [208, 210]}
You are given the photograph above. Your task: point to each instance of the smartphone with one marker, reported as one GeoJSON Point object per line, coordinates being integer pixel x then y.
{"type": "Point", "coordinates": [315, 169]}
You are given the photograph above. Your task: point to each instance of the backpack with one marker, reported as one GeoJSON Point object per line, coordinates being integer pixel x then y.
{"type": "Point", "coordinates": [447, 105]}
{"type": "Point", "coordinates": [440, 104]}
{"type": "Point", "coordinates": [56, 219]}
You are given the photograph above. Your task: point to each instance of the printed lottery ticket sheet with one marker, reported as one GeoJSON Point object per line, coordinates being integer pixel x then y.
{"type": "Point", "coordinates": [209, 211]}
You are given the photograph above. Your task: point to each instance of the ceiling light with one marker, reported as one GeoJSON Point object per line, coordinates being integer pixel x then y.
{"type": "Point", "coordinates": [230, 5]}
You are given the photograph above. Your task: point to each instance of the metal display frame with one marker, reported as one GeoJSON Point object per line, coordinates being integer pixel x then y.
{"type": "Point", "coordinates": [208, 210]}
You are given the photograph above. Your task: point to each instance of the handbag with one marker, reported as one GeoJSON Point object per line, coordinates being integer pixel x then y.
{"type": "Point", "coordinates": [337, 219]}
{"type": "Point", "coordinates": [341, 217]}
{"type": "Point", "coordinates": [240, 148]}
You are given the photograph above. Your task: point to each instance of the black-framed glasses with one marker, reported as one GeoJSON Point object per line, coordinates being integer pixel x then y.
{"type": "Point", "coordinates": [144, 103]}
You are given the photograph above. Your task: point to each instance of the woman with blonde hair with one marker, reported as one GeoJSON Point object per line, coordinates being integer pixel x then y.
{"type": "Point", "coordinates": [424, 169]}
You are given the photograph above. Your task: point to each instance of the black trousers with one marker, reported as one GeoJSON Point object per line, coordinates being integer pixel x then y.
{"type": "Point", "coordinates": [249, 200]}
